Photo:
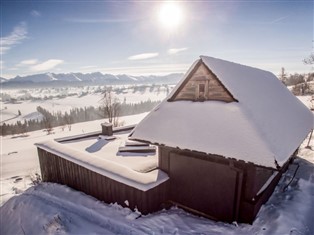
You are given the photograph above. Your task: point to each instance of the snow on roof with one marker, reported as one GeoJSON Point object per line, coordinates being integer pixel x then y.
{"type": "Point", "coordinates": [265, 126]}
{"type": "Point", "coordinates": [100, 147]}
{"type": "Point", "coordinates": [113, 170]}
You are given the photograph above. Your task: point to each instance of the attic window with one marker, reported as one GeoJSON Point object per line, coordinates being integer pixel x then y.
{"type": "Point", "coordinates": [200, 94]}
{"type": "Point", "coordinates": [201, 88]}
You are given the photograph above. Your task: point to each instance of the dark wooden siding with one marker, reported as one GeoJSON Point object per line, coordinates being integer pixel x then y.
{"type": "Point", "coordinates": [214, 186]}
{"type": "Point", "coordinates": [251, 206]}
{"type": "Point", "coordinates": [205, 186]}
{"type": "Point", "coordinates": [255, 178]}
{"type": "Point", "coordinates": [58, 170]}
{"type": "Point", "coordinates": [163, 158]}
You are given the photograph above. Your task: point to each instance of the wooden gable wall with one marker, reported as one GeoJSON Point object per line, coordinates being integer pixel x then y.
{"type": "Point", "coordinates": [202, 85]}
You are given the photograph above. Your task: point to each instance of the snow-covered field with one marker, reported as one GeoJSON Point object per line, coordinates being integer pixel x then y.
{"type": "Point", "coordinates": [50, 209]}
{"type": "Point", "coordinates": [64, 99]}
{"type": "Point", "coordinates": [19, 161]}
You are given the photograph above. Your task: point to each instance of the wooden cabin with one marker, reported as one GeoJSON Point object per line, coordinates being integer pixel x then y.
{"type": "Point", "coordinates": [225, 134]}
{"type": "Point", "coordinates": [93, 163]}
{"type": "Point", "coordinates": [224, 137]}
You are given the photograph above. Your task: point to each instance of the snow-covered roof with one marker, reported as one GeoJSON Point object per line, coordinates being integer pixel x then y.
{"type": "Point", "coordinates": [264, 127]}
{"type": "Point", "coordinates": [102, 148]}
{"type": "Point", "coordinates": [108, 168]}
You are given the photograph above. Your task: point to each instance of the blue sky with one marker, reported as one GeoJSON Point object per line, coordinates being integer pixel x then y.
{"type": "Point", "coordinates": [127, 36]}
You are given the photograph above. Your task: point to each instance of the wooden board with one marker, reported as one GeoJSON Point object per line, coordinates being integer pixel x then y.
{"type": "Point", "coordinates": [202, 85]}
{"type": "Point", "coordinates": [207, 187]}
{"type": "Point", "coordinates": [135, 143]}
{"type": "Point", "coordinates": [138, 149]}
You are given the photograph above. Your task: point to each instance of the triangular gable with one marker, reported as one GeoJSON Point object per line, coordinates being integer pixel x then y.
{"type": "Point", "coordinates": [201, 85]}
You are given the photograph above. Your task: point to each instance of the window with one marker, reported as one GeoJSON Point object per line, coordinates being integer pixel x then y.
{"type": "Point", "coordinates": [201, 88]}
{"type": "Point", "coordinates": [201, 92]}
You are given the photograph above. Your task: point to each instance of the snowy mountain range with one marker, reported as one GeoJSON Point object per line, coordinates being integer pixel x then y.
{"type": "Point", "coordinates": [2, 80]}
{"type": "Point", "coordinates": [87, 78]}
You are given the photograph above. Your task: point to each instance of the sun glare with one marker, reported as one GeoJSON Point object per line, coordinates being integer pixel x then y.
{"type": "Point", "coordinates": [170, 15]}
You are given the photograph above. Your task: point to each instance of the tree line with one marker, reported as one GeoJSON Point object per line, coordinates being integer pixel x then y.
{"type": "Point", "coordinates": [75, 115]}
{"type": "Point", "coordinates": [300, 83]}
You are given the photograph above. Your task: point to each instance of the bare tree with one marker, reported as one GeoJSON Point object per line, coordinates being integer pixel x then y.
{"type": "Point", "coordinates": [48, 125]}
{"type": "Point", "coordinates": [309, 60]}
{"type": "Point", "coordinates": [47, 120]}
{"type": "Point", "coordinates": [283, 75]}
{"type": "Point", "coordinates": [68, 121]}
{"type": "Point", "coordinates": [111, 107]}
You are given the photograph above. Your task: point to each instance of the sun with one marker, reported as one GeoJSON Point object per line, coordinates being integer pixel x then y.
{"type": "Point", "coordinates": [170, 15]}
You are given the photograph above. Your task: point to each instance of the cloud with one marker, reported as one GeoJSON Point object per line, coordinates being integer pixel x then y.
{"type": "Point", "coordinates": [89, 67]}
{"type": "Point", "coordinates": [173, 51]}
{"type": "Point", "coordinates": [28, 62]}
{"type": "Point", "coordinates": [4, 50]}
{"type": "Point", "coordinates": [1, 64]}
{"type": "Point", "coordinates": [161, 69]}
{"type": "Point", "coordinates": [93, 21]}
{"type": "Point", "coordinates": [15, 37]}
{"type": "Point", "coordinates": [35, 13]}
{"type": "Point", "coordinates": [143, 56]}
{"type": "Point", "coordinates": [47, 65]}
{"type": "Point", "coordinates": [279, 19]}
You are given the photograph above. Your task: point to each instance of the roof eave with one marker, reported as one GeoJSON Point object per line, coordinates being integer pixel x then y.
{"type": "Point", "coordinates": [275, 167]}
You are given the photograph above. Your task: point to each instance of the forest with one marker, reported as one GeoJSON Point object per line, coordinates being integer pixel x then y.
{"type": "Point", "coordinates": [75, 115]}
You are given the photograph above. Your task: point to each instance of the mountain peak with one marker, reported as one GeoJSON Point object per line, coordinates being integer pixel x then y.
{"type": "Point", "coordinates": [94, 77]}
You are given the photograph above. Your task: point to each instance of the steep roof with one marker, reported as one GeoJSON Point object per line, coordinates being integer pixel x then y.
{"type": "Point", "coordinates": [265, 126]}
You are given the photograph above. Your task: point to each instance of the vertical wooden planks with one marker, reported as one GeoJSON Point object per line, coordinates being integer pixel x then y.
{"type": "Point", "coordinates": [59, 170]}
{"type": "Point", "coordinates": [202, 85]}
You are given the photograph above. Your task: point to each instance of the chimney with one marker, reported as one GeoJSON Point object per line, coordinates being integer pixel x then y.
{"type": "Point", "coordinates": [106, 129]}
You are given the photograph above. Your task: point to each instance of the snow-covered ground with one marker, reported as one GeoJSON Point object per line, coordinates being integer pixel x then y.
{"type": "Point", "coordinates": [307, 100]}
{"type": "Point", "coordinates": [75, 97]}
{"type": "Point", "coordinates": [50, 209]}
{"type": "Point", "coordinates": [19, 162]}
